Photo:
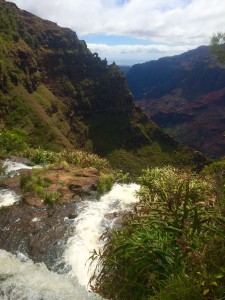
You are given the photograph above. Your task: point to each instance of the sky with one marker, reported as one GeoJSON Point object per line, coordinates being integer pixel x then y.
{"type": "Point", "coordinates": [135, 31]}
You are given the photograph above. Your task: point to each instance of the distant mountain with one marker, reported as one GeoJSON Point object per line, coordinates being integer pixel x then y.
{"type": "Point", "coordinates": [185, 95]}
{"type": "Point", "coordinates": [63, 96]}
{"type": "Point", "coordinates": [125, 69]}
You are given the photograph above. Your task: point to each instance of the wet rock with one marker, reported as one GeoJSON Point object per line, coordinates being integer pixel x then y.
{"type": "Point", "coordinates": [72, 215]}
{"type": "Point", "coordinates": [71, 182]}
{"type": "Point", "coordinates": [31, 198]}
{"type": "Point", "coordinates": [41, 232]}
{"type": "Point", "coordinates": [40, 229]}
{"type": "Point", "coordinates": [12, 183]}
{"type": "Point", "coordinates": [115, 219]}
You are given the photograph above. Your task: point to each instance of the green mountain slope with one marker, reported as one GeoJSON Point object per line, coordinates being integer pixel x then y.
{"type": "Point", "coordinates": [184, 95]}
{"type": "Point", "coordinates": [59, 93]}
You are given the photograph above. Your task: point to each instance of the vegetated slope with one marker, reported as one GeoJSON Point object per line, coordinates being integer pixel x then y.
{"type": "Point", "coordinates": [185, 95]}
{"type": "Point", "coordinates": [59, 93]}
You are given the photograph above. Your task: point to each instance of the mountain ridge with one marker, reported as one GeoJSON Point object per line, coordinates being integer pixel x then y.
{"type": "Point", "coordinates": [184, 95]}
{"type": "Point", "coordinates": [62, 95]}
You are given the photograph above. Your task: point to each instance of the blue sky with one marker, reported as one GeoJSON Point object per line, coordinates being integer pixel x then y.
{"type": "Point", "coordinates": [135, 31]}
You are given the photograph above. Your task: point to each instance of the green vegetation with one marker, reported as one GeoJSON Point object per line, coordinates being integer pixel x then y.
{"type": "Point", "coordinates": [64, 97]}
{"type": "Point", "coordinates": [171, 246]}
{"type": "Point", "coordinates": [216, 171]}
{"type": "Point", "coordinates": [76, 157]}
{"type": "Point", "coordinates": [12, 141]}
{"type": "Point", "coordinates": [33, 182]}
{"type": "Point", "coordinates": [132, 142]}
{"type": "Point", "coordinates": [105, 182]}
{"type": "Point", "coordinates": [36, 183]}
{"type": "Point", "coordinates": [217, 46]}
{"type": "Point", "coordinates": [55, 94]}
{"type": "Point", "coordinates": [52, 197]}
{"type": "Point", "coordinates": [2, 169]}
{"type": "Point", "coordinates": [18, 114]}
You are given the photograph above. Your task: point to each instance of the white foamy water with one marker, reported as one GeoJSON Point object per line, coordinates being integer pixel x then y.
{"type": "Point", "coordinates": [24, 280]}
{"type": "Point", "coordinates": [89, 226]}
{"type": "Point", "coordinates": [14, 166]}
{"type": "Point", "coordinates": [8, 197]}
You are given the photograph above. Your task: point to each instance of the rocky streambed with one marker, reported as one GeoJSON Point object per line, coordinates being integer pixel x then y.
{"type": "Point", "coordinates": [60, 235]}
{"type": "Point", "coordinates": [37, 228]}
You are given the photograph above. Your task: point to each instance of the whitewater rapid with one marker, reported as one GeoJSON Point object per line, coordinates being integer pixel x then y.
{"type": "Point", "coordinates": [92, 220]}
{"type": "Point", "coordinates": [21, 278]}
{"type": "Point", "coordinates": [11, 168]}
{"type": "Point", "coordinates": [9, 197]}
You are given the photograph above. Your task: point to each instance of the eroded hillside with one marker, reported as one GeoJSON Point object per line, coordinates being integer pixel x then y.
{"type": "Point", "coordinates": [63, 96]}
{"type": "Point", "coordinates": [185, 95]}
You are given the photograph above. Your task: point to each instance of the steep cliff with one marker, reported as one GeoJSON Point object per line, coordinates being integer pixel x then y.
{"type": "Point", "coordinates": [62, 95]}
{"type": "Point", "coordinates": [185, 95]}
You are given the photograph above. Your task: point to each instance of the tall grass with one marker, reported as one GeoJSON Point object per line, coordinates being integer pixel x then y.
{"type": "Point", "coordinates": [75, 157]}
{"type": "Point", "coordinates": [33, 182]}
{"type": "Point", "coordinates": [173, 236]}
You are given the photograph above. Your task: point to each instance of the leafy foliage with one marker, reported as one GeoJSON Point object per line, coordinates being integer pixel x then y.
{"type": "Point", "coordinates": [217, 46]}
{"type": "Point", "coordinates": [13, 140]}
{"type": "Point", "coordinates": [36, 183]}
{"type": "Point", "coordinates": [171, 238]}
{"type": "Point", "coordinates": [216, 171]}
{"type": "Point", "coordinates": [75, 157]}
{"type": "Point", "coordinates": [105, 182]}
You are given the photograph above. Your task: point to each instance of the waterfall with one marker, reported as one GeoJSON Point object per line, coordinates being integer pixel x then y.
{"type": "Point", "coordinates": [8, 197]}
{"type": "Point", "coordinates": [21, 278]}
{"type": "Point", "coordinates": [12, 166]}
{"type": "Point", "coordinates": [89, 226]}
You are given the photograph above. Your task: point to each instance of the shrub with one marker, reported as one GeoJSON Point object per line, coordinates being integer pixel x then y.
{"type": "Point", "coordinates": [75, 157]}
{"type": "Point", "coordinates": [216, 171]}
{"type": "Point", "coordinates": [163, 242]}
{"type": "Point", "coordinates": [41, 156]}
{"type": "Point", "coordinates": [105, 182]}
{"type": "Point", "coordinates": [33, 182]}
{"type": "Point", "coordinates": [122, 177]}
{"type": "Point", "coordinates": [51, 198]}
{"type": "Point", "coordinates": [13, 140]}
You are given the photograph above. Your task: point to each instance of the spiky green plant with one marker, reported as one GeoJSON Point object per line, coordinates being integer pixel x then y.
{"type": "Point", "coordinates": [164, 238]}
{"type": "Point", "coordinates": [51, 198]}
{"type": "Point", "coordinates": [75, 157]}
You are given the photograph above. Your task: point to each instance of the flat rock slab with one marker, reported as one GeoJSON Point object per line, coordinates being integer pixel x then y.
{"type": "Point", "coordinates": [69, 182]}
{"type": "Point", "coordinates": [39, 229]}
{"type": "Point", "coordinates": [39, 232]}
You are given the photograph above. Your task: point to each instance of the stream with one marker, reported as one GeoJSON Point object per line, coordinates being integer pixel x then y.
{"type": "Point", "coordinates": [21, 278]}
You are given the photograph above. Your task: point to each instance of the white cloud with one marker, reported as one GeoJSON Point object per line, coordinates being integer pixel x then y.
{"type": "Point", "coordinates": [127, 54]}
{"type": "Point", "coordinates": [180, 21]}
{"type": "Point", "coordinates": [168, 22]}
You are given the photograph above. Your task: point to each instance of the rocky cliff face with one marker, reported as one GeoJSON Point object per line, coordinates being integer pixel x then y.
{"type": "Point", "coordinates": [42, 52]}
{"type": "Point", "coordinates": [185, 95]}
{"type": "Point", "coordinates": [62, 95]}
